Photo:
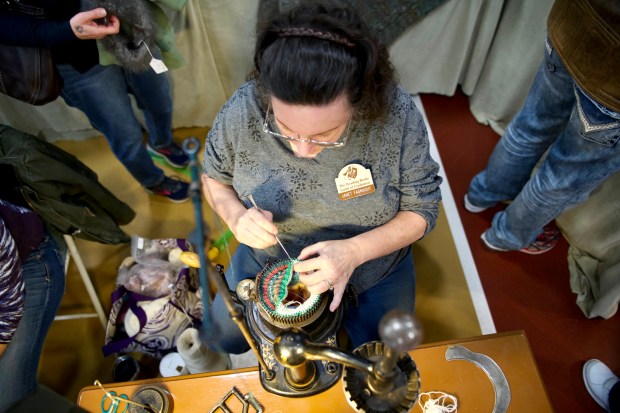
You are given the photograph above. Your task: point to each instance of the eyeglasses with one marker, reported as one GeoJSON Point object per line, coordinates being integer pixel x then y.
{"type": "Point", "coordinates": [336, 144]}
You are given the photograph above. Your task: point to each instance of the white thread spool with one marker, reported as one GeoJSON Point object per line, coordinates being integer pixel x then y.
{"type": "Point", "coordinates": [197, 357]}
{"type": "Point", "coordinates": [171, 365]}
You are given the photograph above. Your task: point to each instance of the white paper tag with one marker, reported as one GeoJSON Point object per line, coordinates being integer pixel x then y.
{"type": "Point", "coordinates": [158, 66]}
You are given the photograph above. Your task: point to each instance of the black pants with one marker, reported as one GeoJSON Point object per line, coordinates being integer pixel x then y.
{"type": "Point", "coordinates": [614, 398]}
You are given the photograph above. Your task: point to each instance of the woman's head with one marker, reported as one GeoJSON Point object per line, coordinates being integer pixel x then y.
{"type": "Point", "coordinates": [316, 53]}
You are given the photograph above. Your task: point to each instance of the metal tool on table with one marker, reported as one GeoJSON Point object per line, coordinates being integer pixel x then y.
{"type": "Point", "coordinates": [303, 355]}
{"type": "Point", "coordinates": [393, 382]}
{"type": "Point", "coordinates": [492, 370]}
{"type": "Point", "coordinates": [246, 401]}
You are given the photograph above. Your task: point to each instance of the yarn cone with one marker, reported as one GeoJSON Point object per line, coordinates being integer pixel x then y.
{"type": "Point", "coordinates": [197, 357]}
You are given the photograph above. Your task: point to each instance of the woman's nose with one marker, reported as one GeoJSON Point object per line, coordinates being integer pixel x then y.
{"type": "Point", "coordinates": [304, 149]}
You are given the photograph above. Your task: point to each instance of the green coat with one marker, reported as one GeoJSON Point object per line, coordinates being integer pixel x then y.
{"type": "Point", "coordinates": [62, 190]}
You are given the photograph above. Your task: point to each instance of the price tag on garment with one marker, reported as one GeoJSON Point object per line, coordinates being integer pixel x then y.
{"type": "Point", "coordinates": [354, 180]}
{"type": "Point", "coordinates": [158, 66]}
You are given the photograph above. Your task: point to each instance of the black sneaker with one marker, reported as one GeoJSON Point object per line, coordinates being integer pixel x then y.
{"type": "Point", "coordinates": [173, 154]}
{"type": "Point", "coordinates": [172, 188]}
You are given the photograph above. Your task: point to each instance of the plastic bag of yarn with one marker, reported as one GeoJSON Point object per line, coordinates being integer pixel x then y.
{"type": "Point", "coordinates": [162, 252]}
{"type": "Point", "coordinates": [150, 280]}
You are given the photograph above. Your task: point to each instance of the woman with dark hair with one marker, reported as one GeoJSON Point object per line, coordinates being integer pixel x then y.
{"type": "Point", "coordinates": [336, 156]}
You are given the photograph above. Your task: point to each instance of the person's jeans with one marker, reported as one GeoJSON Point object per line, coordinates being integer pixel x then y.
{"type": "Point", "coordinates": [581, 138]}
{"type": "Point", "coordinates": [395, 291]}
{"type": "Point", "coordinates": [44, 278]}
{"type": "Point", "coordinates": [614, 398]}
{"type": "Point", "coordinates": [102, 93]}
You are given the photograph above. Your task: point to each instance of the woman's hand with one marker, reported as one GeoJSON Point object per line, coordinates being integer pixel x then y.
{"type": "Point", "coordinates": [85, 27]}
{"type": "Point", "coordinates": [331, 263]}
{"type": "Point", "coordinates": [255, 228]}
{"type": "Point", "coordinates": [251, 227]}
{"type": "Point", "coordinates": [328, 264]}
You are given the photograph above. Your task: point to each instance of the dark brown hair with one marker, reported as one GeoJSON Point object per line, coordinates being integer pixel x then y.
{"type": "Point", "coordinates": [314, 53]}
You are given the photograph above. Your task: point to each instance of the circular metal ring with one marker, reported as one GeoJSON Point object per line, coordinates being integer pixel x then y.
{"type": "Point", "coordinates": [329, 284]}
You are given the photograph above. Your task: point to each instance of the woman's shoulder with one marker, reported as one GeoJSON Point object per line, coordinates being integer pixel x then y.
{"type": "Point", "coordinates": [400, 104]}
{"type": "Point", "coordinates": [247, 93]}
{"type": "Point", "coordinates": [400, 95]}
{"type": "Point", "coordinates": [243, 100]}
{"type": "Point", "coordinates": [239, 113]}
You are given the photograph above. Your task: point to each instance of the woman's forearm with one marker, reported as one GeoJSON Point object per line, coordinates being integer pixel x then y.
{"type": "Point", "coordinates": [20, 30]}
{"type": "Point", "coordinates": [223, 200]}
{"type": "Point", "coordinates": [404, 229]}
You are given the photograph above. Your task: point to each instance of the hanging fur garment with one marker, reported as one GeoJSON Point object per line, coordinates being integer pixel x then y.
{"type": "Point", "coordinates": [137, 32]}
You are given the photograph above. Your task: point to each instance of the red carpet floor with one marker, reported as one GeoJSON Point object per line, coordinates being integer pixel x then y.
{"type": "Point", "coordinates": [525, 292]}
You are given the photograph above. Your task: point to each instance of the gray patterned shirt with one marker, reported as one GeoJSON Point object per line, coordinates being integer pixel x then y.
{"type": "Point", "coordinates": [301, 192]}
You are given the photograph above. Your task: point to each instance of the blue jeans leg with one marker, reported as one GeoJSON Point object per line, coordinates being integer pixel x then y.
{"type": "Point", "coordinates": [580, 141]}
{"type": "Point", "coordinates": [226, 335]}
{"type": "Point", "coordinates": [44, 276]}
{"type": "Point", "coordinates": [584, 155]}
{"type": "Point", "coordinates": [544, 115]}
{"type": "Point", "coordinates": [154, 98]}
{"type": "Point", "coordinates": [102, 94]}
{"type": "Point", "coordinates": [395, 291]}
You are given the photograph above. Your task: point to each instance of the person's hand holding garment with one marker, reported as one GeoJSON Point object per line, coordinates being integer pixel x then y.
{"type": "Point", "coordinates": [102, 91]}
{"type": "Point", "coordinates": [85, 25]}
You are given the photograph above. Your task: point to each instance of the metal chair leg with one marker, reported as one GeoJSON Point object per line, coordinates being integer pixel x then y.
{"type": "Point", "coordinates": [90, 289]}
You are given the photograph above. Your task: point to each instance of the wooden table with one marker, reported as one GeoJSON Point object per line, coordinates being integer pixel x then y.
{"type": "Point", "coordinates": [470, 384]}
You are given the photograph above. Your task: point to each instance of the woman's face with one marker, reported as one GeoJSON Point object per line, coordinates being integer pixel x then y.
{"type": "Point", "coordinates": [326, 123]}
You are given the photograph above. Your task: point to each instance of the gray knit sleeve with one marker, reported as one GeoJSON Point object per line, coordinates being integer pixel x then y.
{"type": "Point", "coordinates": [224, 141]}
{"type": "Point", "coordinates": [419, 182]}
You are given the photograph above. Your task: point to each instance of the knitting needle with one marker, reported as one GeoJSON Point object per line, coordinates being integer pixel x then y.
{"type": "Point", "coordinates": [251, 198]}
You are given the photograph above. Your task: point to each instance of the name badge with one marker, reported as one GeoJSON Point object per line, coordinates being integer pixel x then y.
{"type": "Point", "coordinates": [354, 180]}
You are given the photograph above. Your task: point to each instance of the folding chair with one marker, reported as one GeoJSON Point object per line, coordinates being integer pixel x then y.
{"type": "Point", "coordinates": [94, 298]}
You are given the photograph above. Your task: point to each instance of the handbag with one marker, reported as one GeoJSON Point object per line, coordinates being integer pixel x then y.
{"type": "Point", "coordinates": [28, 73]}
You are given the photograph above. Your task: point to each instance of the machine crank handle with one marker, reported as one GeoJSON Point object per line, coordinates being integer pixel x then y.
{"type": "Point", "coordinates": [293, 348]}
{"type": "Point", "coordinates": [399, 332]}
